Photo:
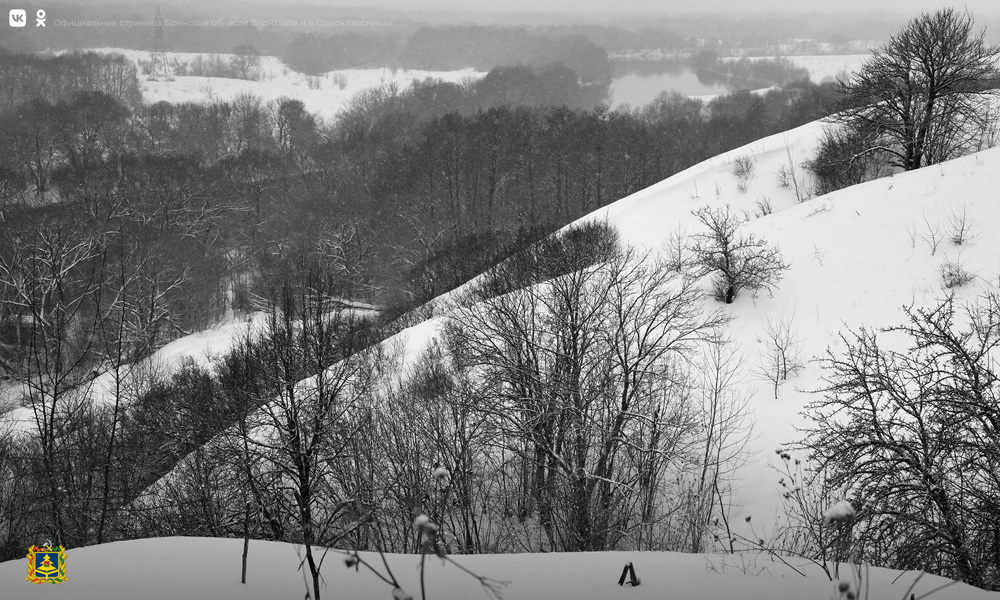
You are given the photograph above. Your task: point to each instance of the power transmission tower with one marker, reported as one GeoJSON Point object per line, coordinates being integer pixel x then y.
{"type": "Point", "coordinates": [159, 70]}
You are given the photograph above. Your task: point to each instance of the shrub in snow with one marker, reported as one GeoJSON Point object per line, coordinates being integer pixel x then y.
{"type": "Point", "coordinates": [737, 261]}
{"type": "Point", "coordinates": [744, 167]}
{"type": "Point", "coordinates": [953, 274]}
{"type": "Point", "coordinates": [961, 227]}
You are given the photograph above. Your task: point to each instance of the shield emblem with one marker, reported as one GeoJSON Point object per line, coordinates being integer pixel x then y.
{"type": "Point", "coordinates": [46, 565]}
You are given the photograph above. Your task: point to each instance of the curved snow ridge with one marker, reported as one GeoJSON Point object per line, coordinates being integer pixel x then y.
{"type": "Point", "coordinates": [197, 568]}
{"type": "Point", "coordinates": [649, 216]}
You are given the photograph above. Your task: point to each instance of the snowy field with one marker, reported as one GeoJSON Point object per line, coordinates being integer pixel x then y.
{"type": "Point", "coordinates": [209, 569]}
{"type": "Point", "coordinates": [324, 95]}
{"type": "Point", "coordinates": [829, 66]}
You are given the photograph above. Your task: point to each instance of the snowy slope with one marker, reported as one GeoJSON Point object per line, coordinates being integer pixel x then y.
{"type": "Point", "coordinates": [199, 347]}
{"type": "Point", "coordinates": [852, 261]}
{"type": "Point", "coordinates": [209, 569]}
{"type": "Point", "coordinates": [322, 94]}
{"type": "Point", "coordinates": [852, 264]}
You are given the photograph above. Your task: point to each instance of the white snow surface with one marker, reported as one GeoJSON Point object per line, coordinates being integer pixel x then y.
{"type": "Point", "coordinates": [209, 569]}
{"type": "Point", "coordinates": [321, 94]}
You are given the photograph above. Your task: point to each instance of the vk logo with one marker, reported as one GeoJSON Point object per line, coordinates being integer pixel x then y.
{"type": "Point", "coordinates": [18, 17]}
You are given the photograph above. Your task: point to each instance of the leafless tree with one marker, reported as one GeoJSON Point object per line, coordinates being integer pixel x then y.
{"type": "Point", "coordinates": [737, 261]}
{"type": "Point", "coordinates": [48, 274]}
{"type": "Point", "coordinates": [780, 355]}
{"type": "Point", "coordinates": [725, 429]}
{"type": "Point", "coordinates": [580, 377]}
{"type": "Point", "coordinates": [921, 97]}
{"type": "Point", "coordinates": [245, 62]}
{"type": "Point", "coordinates": [318, 378]}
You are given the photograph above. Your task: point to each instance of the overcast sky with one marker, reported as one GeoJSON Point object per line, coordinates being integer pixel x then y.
{"type": "Point", "coordinates": [672, 6]}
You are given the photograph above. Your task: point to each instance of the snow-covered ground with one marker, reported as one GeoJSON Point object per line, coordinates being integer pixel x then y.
{"type": "Point", "coordinates": [209, 569]}
{"type": "Point", "coordinates": [324, 95]}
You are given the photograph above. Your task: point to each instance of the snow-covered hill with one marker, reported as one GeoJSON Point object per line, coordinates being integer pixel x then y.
{"type": "Point", "coordinates": [209, 569]}
{"type": "Point", "coordinates": [857, 257]}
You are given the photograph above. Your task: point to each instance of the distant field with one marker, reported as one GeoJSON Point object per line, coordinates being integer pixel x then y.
{"type": "Point", "coordinates": [324, 95]}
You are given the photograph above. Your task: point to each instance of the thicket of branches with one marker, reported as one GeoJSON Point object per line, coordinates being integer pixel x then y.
{"type": "Point", "coordinates": [908, 427]}
{"type": "Point", "coordinates": [593, 409]}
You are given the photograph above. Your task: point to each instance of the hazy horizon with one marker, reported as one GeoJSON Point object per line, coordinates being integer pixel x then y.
{"type": "Point", "coordinates": [576, 7]}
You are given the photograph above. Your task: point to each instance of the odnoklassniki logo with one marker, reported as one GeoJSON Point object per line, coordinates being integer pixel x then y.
{"type": "Point", "coordinates": [46, 564]}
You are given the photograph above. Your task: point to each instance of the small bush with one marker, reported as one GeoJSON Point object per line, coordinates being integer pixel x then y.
{"type": "Point", "coordinates": [954, 275]}
{"type": "Point", "coordinates": [961, 227]}
{"type": "Point", "coordinates": [763, 207]}
{"type": "Point", "coordinates": [744, 167]}
{"type": "Point", "coordinates": [737, 261]}
{"type": "Point", "coordinates": [784, 177]}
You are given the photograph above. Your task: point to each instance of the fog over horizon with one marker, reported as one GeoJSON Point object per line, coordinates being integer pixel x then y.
{"type": "Point", "coordinates": [581, 7]}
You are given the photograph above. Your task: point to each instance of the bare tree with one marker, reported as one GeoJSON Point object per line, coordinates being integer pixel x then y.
{"type": "Point", "coordinates": [49, 277]}
{"type": "Point", "coordinates": [582, 377]}
{"type": "Point", "coordinates": [738, 262]}
{"type": "Point", "coordinates": [725, 429]}
{"type": "Point", "coordinates": [780, 355]}
{"type": "Point", "coordinates": [245, 62]}
{"type": "Point", "coordinates": [920, 98]}
{"type": "Point", "coordinates": [318, 377]}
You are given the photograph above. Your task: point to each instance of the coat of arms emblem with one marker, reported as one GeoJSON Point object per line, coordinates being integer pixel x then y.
{"type": "Point", "coordinates": [46, 564]}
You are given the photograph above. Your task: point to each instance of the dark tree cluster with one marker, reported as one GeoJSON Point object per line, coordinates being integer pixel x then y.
{"type": "Point", "coordinates": [744, 73]}
{"type": "Point", "coordinates": [25, 77]}
{"type": "Point", "coordinates": [452, 48]}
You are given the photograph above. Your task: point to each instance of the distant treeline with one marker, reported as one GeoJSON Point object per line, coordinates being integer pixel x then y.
{"type": "Point", "coordinates": [735, 75]}
{"type": "Point", "coordinates": [744, 73]}
{"type": "Point", "coordinates": [408, 194]}
{"type": "Point", "coordinates": [24, 77]}
{"type": "Point", "coordinates": [451, 48]}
